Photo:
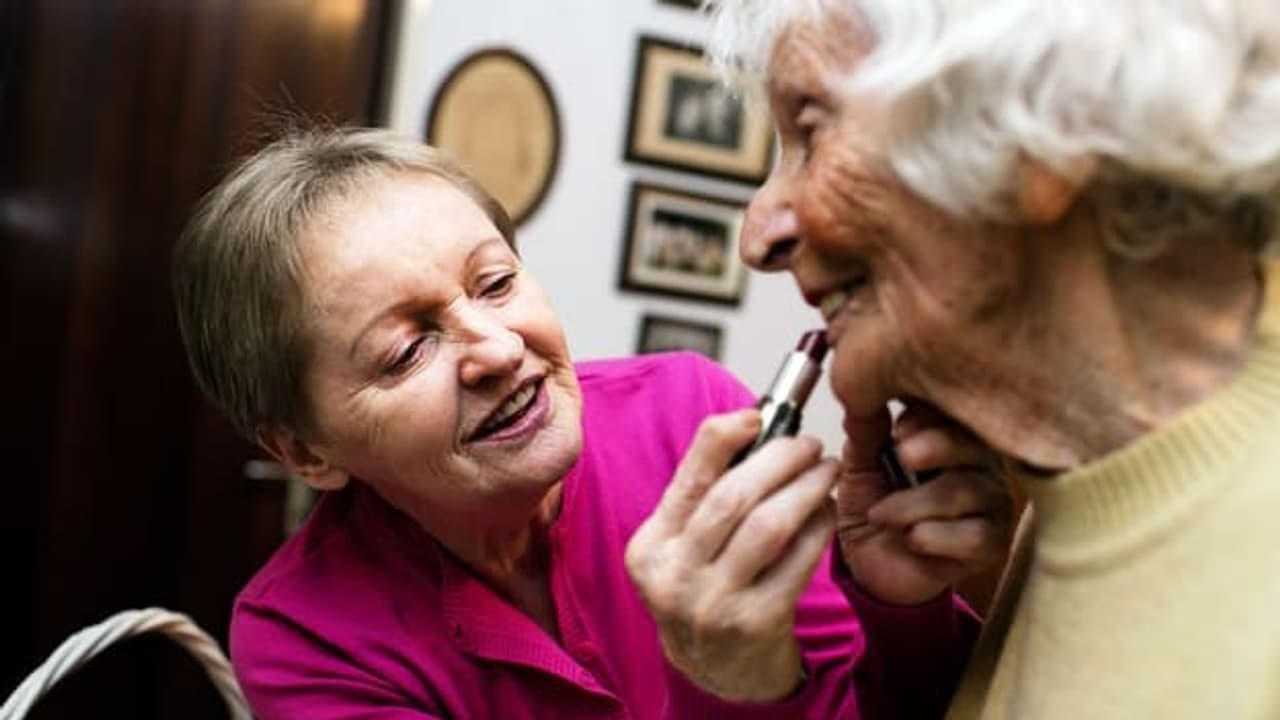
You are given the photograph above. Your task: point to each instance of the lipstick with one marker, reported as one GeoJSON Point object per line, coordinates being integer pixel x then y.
{"type": "Point", "coordinates": [782, 404]}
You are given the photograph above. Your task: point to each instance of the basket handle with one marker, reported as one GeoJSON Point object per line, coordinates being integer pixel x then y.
{"type": "Point", "coordinates": [83, 646]}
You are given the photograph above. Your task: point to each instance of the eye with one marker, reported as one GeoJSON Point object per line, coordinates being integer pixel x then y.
{"type": "Point", "coordinates": [810, 116]}
{"type": "Point", "coordinates": [409, 355]}
{"type": "Point", "coordinates": [499, 285]}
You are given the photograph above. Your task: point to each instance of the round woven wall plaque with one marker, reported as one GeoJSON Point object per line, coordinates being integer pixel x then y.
{"type": "Point", "coordinates": [495, 114]}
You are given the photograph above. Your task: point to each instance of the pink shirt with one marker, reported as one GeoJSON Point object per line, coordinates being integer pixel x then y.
{"type": "Point", "coordinates": [362, 615]}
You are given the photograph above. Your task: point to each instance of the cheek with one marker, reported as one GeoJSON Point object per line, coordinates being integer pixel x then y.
{"type": "Point", "coordinates": [532, 317]}
{"type": "Point", "coordinates": [950, 278]}
{"type": "Point", "coordinates": [396, 432]}
{"type": "Point", "coordinates": [545, 337]}
{"type": "Point", "coordinates": [842, 208]}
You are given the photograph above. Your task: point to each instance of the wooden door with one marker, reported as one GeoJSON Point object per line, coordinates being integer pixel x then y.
{"type": "Point", "coordinates": [122, 488]}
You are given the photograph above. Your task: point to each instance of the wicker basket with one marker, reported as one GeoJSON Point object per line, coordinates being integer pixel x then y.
{"type": "Point", "coordinates": [89, 642]}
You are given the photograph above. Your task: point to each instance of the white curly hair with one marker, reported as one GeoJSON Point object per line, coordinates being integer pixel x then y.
{"type": "Point", "coordinates": [1178, 99]}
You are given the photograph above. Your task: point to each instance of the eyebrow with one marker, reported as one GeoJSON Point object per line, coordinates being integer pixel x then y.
{"type": "Point", "coordinates": [400, 307]}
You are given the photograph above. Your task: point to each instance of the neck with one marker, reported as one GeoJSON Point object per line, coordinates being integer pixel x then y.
{"type": "Point", "coordinates": [512, 557]}
{"type": "Point", "coordinates": [1113, 349]}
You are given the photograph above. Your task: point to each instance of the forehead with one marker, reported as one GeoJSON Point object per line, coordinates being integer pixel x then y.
{"type": "Point", "coordinates": [813, 49]}
{"type": "Point", "coordinates": [406, 212]}
{"type": "Point", "coordinates": [392, 229]}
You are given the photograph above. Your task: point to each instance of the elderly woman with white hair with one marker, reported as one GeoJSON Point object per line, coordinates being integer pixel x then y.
{"type": "Point", "coordinates": [1047, 219]}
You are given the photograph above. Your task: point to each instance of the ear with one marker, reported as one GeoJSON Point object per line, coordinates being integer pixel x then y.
{"type": "Point", "coordinates": [303, 459]}
{"type": "Point", "coordinates": [1045, 195]}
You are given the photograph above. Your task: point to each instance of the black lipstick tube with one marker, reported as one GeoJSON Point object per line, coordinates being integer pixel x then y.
{"type": "Point", "coordinates": [782, 405]}
{"type": "Point", "coordinates": [901, 477]}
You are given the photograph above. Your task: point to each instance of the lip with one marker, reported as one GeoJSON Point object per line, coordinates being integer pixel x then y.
{"type": "Point", "coordinates": [838, 323]}
{"type": "Point", "coordinates": [813, 298]}
{"type": "Point", "coordinates": [528, 424]}
{"type": "Point", "coordinates": [836, 319]}
{"type": "Point", "coordinates": [851, 284]}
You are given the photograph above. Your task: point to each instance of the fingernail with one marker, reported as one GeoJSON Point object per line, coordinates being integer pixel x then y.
{"type": "Point", "coordinates": [906, 447]}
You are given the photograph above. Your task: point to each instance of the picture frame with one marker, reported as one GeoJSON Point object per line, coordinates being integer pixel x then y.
{"type": "Point", "coordinates": [684, 118]}
{"type": "Point", "coordinates": [682, 244]}
{"type": "Point", "coordinates": [495, 113]}
{"type": "Point", "coordinates": [662, 333]}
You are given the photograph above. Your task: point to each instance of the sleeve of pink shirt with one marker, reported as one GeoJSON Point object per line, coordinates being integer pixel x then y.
{"type": "Point", "coordinates": [914, 656]}
{"type": "Point", "coordinates": [294, 675]}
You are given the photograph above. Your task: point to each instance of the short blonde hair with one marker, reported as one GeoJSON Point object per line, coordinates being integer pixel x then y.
{"type": "Point", "coordinates": [237, 266]}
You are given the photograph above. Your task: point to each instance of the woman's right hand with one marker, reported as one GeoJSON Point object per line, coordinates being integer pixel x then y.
{"type": "Point", "coordinates": [728, 551]}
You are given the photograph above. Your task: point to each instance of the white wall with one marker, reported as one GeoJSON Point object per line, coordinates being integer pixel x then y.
{"type": "Point", "coordinates": [586, 49]}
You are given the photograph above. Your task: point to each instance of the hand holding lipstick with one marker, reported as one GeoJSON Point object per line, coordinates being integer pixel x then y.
{"type": "Point", "coordinates": [906, 547]}
{"type": "Point", "coordinates": [727, 553]}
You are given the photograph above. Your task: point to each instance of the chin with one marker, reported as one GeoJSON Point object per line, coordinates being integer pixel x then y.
{"type": "Point", "coordinates": [858, 395]}
{"type": "Point", "coordinates": [556, 452]}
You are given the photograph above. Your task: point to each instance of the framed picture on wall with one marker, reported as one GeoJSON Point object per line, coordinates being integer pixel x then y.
{"type": "Point", "coordinates": [659, 333]}
{"type": "Point", "coordinates": [682, 244]}
{"type": "Point", "coordinates": [683, 117]}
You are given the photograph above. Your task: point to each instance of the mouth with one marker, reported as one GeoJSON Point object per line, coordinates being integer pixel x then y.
{"type": "Point", "coordinates": [832, 302]}
{"type": "Point", "coordinates": [518, 413]}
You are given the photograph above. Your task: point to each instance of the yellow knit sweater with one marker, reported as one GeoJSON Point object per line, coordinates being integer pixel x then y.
{"type": "Point", "coordinates": [1147, 585]}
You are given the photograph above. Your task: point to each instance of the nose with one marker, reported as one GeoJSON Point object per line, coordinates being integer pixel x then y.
{"type": "Point", "coordinates": [770, 231]}
{"type": "Point", "coordinates": [489, 348]}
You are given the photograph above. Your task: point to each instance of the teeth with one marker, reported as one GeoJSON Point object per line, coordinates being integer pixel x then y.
{"type": "Point", "coordinates": [831, 303]}
{"type": "Point", "coordinates": [512, 406]}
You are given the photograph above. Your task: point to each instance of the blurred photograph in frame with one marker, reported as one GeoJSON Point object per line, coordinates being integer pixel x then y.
{"type": "Point", "coordinates": [661, 333]}
{"type": "Point", "coordinates": [684, 118]}
{"type": "Point", "coordinates": [682, 244]}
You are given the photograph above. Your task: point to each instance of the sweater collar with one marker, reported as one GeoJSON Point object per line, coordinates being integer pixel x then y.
{"type": "Point", "coordinates": [1138, 494]}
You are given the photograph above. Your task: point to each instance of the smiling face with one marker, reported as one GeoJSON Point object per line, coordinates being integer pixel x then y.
{"type": "Point", "coordinates": [915, 301]}
{"type": "Point", "coordinates": [440, 375]}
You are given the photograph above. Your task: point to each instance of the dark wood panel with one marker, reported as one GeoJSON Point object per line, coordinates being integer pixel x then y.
{"type": "Point", "coordinates": [124, 488]}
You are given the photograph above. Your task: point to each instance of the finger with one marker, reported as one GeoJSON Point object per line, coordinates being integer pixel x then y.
{"type": "Point", "coordinates": [945, 446]}
{"type": "Point", "coordinates": [969, 541]}
{"type": "Point", "coordinates": [918, 416]}
{"type": "Point", "coordinates": [770, 529]}
{"type": "Point", "coordinates": [718, 439]}
{"type": "Point", "coordinates": [859, 490]}
{"type": "Point", "coordinates": [950, 496]}
{"type": "Point", "coordinates": [865, 437]}
{"type": "Point", "coordinates": [742, 492]}
{"type": "Point", "coordinates": [787, 578]}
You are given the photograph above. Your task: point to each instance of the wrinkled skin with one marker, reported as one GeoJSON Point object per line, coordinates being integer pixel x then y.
{"type": "Point", "coordinates": [728, 551]}
{"type": "Point", "coordinates": [918, 304]}
{"type": "Point", "coordinates": [423, 322]}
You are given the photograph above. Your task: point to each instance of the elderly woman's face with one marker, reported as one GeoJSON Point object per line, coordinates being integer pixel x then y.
{"type": "Point", "coordinates": [905, 290]}
{"type": "Point", "coordinates": [440, 375]}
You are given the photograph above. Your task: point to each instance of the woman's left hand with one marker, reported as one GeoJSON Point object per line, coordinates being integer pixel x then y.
{"type": "Point", "coordinates": [906, 547]}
